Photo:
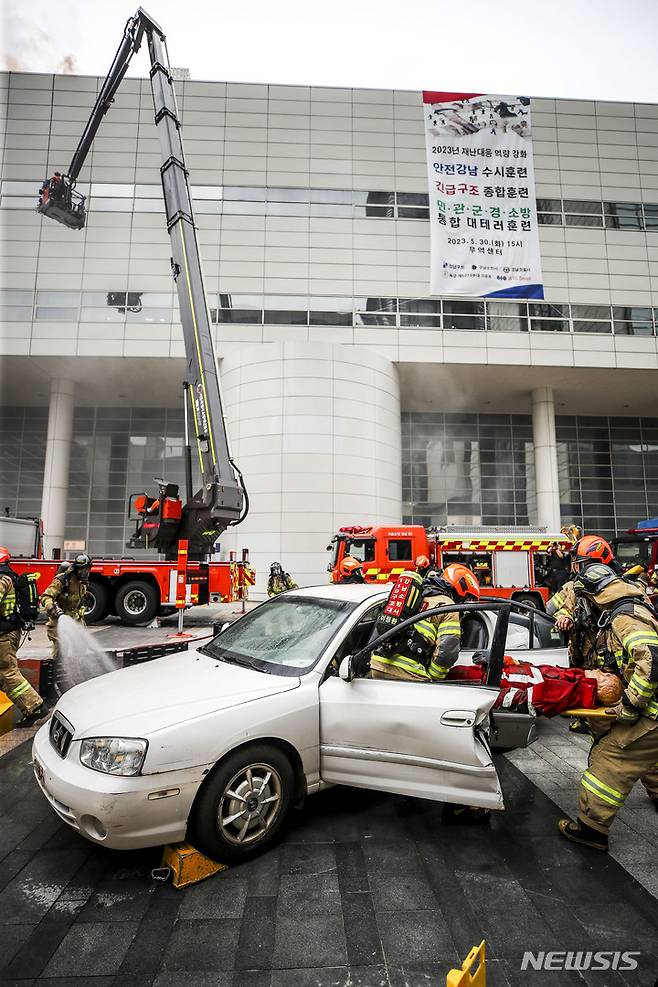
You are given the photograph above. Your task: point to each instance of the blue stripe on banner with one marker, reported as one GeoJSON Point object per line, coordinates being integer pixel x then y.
{"type": "Point", "coordinates": [519, 291]}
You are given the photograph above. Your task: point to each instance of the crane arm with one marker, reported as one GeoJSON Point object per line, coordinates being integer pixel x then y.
{"type": "Point", "coordinates": [222, 499]}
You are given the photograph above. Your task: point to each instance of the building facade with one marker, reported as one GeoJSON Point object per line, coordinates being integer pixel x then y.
{"type": "Point", "coordinates": [351, 395]}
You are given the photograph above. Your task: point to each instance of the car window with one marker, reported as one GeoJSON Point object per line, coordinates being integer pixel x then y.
{"type": "Point", "coordinates": [544, 635]}
{"type": "Point", "coordinates": [285, 636]}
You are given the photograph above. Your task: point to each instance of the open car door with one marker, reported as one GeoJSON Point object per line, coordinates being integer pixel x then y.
{"type": "Point", "coordinates": [413, 738]}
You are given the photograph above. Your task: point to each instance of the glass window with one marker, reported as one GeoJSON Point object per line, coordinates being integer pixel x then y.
{"type": "Point", "coordinates": [549, 219]}
{"type": "Point", "coordinates": [244, 193]}
{"type": "Point", "coordinates": [58, 299]}
{"type": "Point", "coordinates": [281, 318]}
{"type": "Point", "coordinates": [581, 325]}
{"type": "Point", "coordinates": [579, 220]}
{"type": "Point", "coordinates": [285, 301]}
{"type": "Point", "coordinates": [463, 308]}
{"type": "Point", "coordinates": [582, 206]}
{"type": "Point", "coordinates": [148, 191]}
{"type": "Point", "coordinates": [411, 212]}
{"type": "Point", "coordinates": [375, 319]}
{"type": "Point", "coordinates": [243, 301]}
{"type": "Point", "coordinates": [287, 209]}
{"type": "Point", "coordinates": [507, 308]}
{"type": "Point", "coordinates": [207, 207]}
{"type": "Point", "coordinates": [18, 202]}
{"type": "Point", "coordinates": [426, 306]}
{"type": "Point", "coordinates": [651, 218]}
{"type": "Point", "coordinates": [331, 303]}
{"type": "Point", "coordinates": [57, 314]}
{"type": "Point", "coordinates": [20, 188]}
{"type": "Point", "coordinates": [240, 315]}
{"type": "Point", "coordinates": [497, 323]}
{"type": "Point", "coordinates": [463, 321]}
{"type": "Point", "coordinates": [331, 209]}
{"type": "Point", "coordinates": [285, 636]}
{"type": "Point", "coordinates": [422, 321]}
{"type": "Point", "coordinates": [110, 205]}
{"type": "Point", "coordinates": [330, 318]}
{"type": "Point", "coordinates": [590, 311]}
{"type": "Point", "coordinates": [363, 198]}
{"type": "Point", "coordinates": [549, 325]}
{"type": "Point", "coordinates": [243, 208]}
{"type": "Point", "coordinates": [374, 212]}
{"type": "Point", "coordinates": [15, 313]}
{"type": "Point", "coordinates": [413, 199]}
{"type": "Point", "coordinates": [376, 304]}
{"type": "Point", "coordinates": [399, 550]}
{"type": "Point", "coordinates": [549, 205]}
{"type": "Point", "coordinates": [288, 195]}
{"type": "Point", "coordinates": [11, 297]}
{"type": "Point", "coordinates": [106, 314]}
{"type": "Point", "coordinates": [545, 310]}
{"type": "Point", "coordinates": [362, 550]}
{"type": "Point", "coordinates": [207, 191]}
{"type": "Point", "coordinates": [623, 215]}
{"type": "Point", "coordinates": [338, 196]}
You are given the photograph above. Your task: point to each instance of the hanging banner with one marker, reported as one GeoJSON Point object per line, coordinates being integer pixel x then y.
{"type": "Point", "coordinates": [483, 212]}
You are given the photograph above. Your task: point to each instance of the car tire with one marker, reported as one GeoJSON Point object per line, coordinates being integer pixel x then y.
{"type": "Point", "coordinates": [262, 781]}
{"type": "Point", "coordinates": [97, 600]}
{"type": "Point", "coordinates": [530, 600]}
{"type": "Point", "coordinates": [137, 602]}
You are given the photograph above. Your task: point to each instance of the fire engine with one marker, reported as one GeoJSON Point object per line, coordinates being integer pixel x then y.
{"type": "Point", "coordinates": [639, 546]}
{"type": "Point", "coordinates": [183, 531]}
{"type": "Point", "coordinates": [509, 562]}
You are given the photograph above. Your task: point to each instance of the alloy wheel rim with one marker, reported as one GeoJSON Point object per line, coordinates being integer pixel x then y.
{"type": "Point", "coordinates": [250, 804]}
{"type": "Point", "coordinates": [135, 602]}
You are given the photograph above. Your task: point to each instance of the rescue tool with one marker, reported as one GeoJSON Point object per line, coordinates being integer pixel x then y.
{"type": "Point", "coordinates": [222, 498]}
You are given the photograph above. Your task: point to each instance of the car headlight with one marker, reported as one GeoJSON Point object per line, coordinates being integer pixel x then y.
{"type": "Point", "coordinates": [114, 755]}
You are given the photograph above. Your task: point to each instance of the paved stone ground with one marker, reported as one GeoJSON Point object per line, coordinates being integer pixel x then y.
{"type": "Point", "coordinates": [365, 890]}
{"type": "Point", "coordinates": [555, 763]}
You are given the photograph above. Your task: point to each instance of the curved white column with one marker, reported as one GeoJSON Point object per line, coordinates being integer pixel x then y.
{"type": "Point", "coordinates": [58, 457]}
{"type": "Point", "coordinates": [316, 431]}
{"type": "Point", "coordinates": [546, 474]}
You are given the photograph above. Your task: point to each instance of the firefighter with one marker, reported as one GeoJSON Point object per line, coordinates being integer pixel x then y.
{"type": "Point", "coordinates": [350, 570]}
{"type": "Point", "coordinates": [441, 632]}
{"type": "Point", "coordinates": [15, 685]}
{"type": "Point", "coordinates": [66, 594]}
{"type": "Point", "coordinates": [629, 748]}
{"type": "Point", "coordinates": [422, 565]}
{"type": "Point", "coordinates": [279, 580]}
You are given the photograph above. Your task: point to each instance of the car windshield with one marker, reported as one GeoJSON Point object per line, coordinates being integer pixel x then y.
{"type": "Point", "coordinates": [286, 635]}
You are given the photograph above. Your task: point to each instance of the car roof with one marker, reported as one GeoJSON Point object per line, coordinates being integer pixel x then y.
{"type": "Point", "coordinates": [355, 592]}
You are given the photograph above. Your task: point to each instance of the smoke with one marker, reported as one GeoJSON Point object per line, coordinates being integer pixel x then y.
{"type": "Point", "coordinates": [67, 66]}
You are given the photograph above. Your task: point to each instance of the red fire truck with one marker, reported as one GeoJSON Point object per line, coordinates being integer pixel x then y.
{"type": "Point", "coordinates": [509, 562]}
{"type": "Point", "coordinates": [135, 590]}
{"type": "Point", "coordinates": [639, 546]}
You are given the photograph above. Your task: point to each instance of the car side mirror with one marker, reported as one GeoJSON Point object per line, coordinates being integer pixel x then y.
{"type": "Point", "coordinates": [219, 626]}
{"type": "Point", "coordinates": [345, 670]}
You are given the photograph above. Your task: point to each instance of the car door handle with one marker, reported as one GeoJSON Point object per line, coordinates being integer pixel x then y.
{"type": "Point", "coordinates": [458, 718]}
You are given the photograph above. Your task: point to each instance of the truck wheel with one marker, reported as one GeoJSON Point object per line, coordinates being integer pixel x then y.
{"type": "Point", "coordinates": [96, 601]}
{"type": "Point", "coordinates": [530, 600]}
{"type": "Point", "coordinates": [137, 602]}
{"type": "Point", "coordinates": [243, 804]}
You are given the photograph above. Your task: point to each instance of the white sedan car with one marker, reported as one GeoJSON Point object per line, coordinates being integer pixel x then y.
{"type": "Point", "coordinates": [217, 744]}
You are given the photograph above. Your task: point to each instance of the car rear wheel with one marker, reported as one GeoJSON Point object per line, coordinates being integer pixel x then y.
{"type": "Point", "coordinates": [243, 804]}
{"type": "Point", "coordinates": [96, 602]}
{"type": "Point", "coordinates": [137, 602]}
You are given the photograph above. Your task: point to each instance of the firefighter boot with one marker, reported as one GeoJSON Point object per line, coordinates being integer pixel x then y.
{"type": "Point", "coordinates": [36, 715]}
{"type": "Point", "coordinates": [580, 832]}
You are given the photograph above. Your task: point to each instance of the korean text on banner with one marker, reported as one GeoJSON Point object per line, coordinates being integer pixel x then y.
{"type": "Point", "coordinates": [483, 211]}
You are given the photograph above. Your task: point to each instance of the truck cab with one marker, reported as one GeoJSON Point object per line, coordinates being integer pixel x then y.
{"type": "Point", "coordinates": [384, 550]}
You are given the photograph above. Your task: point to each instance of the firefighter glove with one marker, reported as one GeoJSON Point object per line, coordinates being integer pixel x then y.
{"type": "Point", "coordinates": [623, 712]}
{"type": "Point", "coordinates": [56, 613]}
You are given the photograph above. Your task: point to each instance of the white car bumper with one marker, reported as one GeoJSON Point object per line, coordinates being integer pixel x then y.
{"type": "Point", "coordinates": [121, 813]}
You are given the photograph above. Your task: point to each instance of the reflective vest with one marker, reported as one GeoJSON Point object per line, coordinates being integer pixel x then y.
{"type": "Point", "coordinates": [413, 653]}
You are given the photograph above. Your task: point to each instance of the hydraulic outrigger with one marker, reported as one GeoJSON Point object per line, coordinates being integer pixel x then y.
{"type": "Point", "coordinates": [222, 500]}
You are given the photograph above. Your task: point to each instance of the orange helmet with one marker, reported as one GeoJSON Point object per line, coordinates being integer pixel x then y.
{"type": "Point", "coordinates": [421, 563]}
{"type": "Point", "coordinates": [592, 548]}
{"type": "Point", "coordinates": [348, 566]}
{"type": "Point", "coordinates": [462, 580]}
{"type": "Point", "coordinates": [4, 555]}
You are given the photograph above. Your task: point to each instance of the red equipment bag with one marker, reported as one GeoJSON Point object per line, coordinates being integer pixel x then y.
{"type": "Point", "coordinates": [563, 688]}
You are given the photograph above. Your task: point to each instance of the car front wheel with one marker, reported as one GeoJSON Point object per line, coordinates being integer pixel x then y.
{"type": "Point", "coordinates": [243, 805]}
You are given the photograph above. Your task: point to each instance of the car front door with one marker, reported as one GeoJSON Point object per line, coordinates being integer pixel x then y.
{"type": "Point", "coordinates": [411, 738]}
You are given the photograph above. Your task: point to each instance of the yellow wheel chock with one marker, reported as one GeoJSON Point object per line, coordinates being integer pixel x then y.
{"type": "Point", "coordinates": [473, 972]}
{"type": "Point", "coordinates": [185, 865]}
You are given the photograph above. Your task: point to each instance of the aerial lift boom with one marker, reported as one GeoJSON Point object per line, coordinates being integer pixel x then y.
{"type": "Point", "coordinates": [222, 499]}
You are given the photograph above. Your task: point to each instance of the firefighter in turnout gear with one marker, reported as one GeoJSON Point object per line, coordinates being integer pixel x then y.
{"type": "Point", "coordinates": [15, 685]}
{"type": "Point", "coordinates": [441, 632]}
{"type": "Point", "coordinates": [351, 571]}
{"type": "Point", "coordinates": [66, 595]}
{"type": "Point", "coordinates": [279, 580]}
{"type": "Point", "coordinates": [626, 751]}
